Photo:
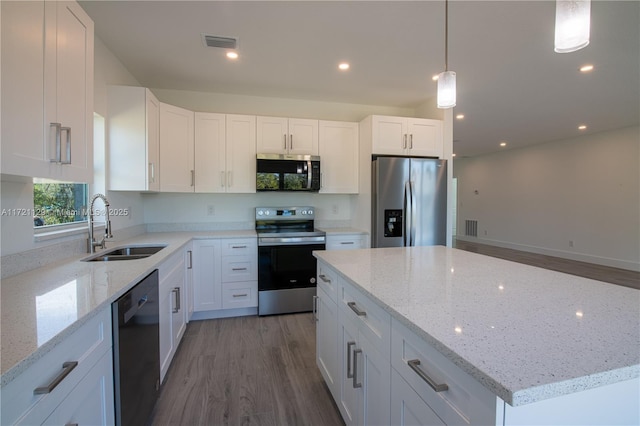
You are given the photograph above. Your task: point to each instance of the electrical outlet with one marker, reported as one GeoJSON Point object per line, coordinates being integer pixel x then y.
{"type": "Point", "coordinates": [211, 210]}
{"type": "Point", "coordinates": [570, 243]}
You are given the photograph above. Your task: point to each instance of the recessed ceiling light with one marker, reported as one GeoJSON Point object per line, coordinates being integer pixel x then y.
{"type": "Point", "coordinates": [435, 77]}
{"type": "Point", "coordinates": [343, 66]}
{"type": "Point", "coordinates": [232, 55]}
{"type": "Point", "coordinates": [453, 155]}
{"type": "Point", "coordinates": [582, 127]}
{"type": "Point", "coordinates": [503, 144]}
{"type": "Point", "coordinates": [460, 116]}
{"type": "Point", "coordinates": [586, 68]}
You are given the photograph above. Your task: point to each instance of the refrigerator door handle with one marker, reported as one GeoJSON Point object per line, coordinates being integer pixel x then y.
{"type": "Point", "coordinates": [412, 225]}
{"type": "Point", "coordinates": [407, 207]}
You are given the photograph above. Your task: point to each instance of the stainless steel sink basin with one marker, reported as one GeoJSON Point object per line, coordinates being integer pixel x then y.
{"type": "Point", "coordinates": [125, 253]}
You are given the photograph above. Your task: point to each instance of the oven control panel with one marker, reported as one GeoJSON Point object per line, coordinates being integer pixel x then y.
{"type": "Point", "coordinates": [285, 213]}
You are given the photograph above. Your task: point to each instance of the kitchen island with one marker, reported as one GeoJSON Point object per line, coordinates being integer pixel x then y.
{"type": "Point", "coordinates": [548, 347]}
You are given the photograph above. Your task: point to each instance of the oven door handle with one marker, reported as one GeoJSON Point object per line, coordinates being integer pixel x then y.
{"type": "Point", "coordinates": [290, 241]}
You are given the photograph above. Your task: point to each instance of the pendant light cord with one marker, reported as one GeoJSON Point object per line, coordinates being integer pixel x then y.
{"type": "Point", "coordinates": [446, 35]}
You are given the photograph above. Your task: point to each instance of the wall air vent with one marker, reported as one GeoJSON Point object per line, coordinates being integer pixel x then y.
{"type": "Point", "coordinates": [471, 228]}
{"type": "Point", "coordinates": [221, 42]}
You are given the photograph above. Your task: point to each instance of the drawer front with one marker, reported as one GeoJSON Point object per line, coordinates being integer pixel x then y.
{"type": "Point", "coordinates": [239, 268]}
{"type": "Point", "coordinates": [239, 246]}
{"type": "Point", "coordinates": [346, 242]}
{"type": "Point", "coordinates": [85, 346]}
{"type": "Point", "coordinates": [372, 320]}
{"type": "Point", "coordinates": [407, 408]}
{"type": "Point", "coordinates": [240, 295]}
{"type": "Point", "coordinates": [171, 271]}
{"type": "Point", "coordinates": [328, 280]}
{"type": "Point", "coordinates": [465, 401]}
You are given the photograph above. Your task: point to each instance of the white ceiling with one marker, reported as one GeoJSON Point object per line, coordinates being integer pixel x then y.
{"type": "Point", "coordinates": [511, 84]}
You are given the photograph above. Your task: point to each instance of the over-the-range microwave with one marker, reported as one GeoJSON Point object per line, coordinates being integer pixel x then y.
{"type": "Point", "coordinates": [283, 172]}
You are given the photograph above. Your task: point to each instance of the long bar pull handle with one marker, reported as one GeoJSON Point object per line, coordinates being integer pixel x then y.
{"type": "Point", "coordinates": [238, 269]}
{"type": "Point", "coordinates": [239, 247]}
{"type": "Point", "coordinates": [349, 371]}
{"type": "Point", "coordinates": [190, 265]}
{"type": "Point", "coordinates": [176, 290]}
{"type": "Point", "coordinates": [58, 154]}
{"type": "Point", "coordinates": [67, 367]}
{"type": "Point", "coordinates": [355, 309]}
{"type": "Point", "coordinates": [291, 143]}
{"type": "Point", "coordinates": [315, 308]}
{"type": "Point", "coordinates": [152, 172]}
{"type": "Point", "coordinates": [438, 387]}
{"type": "Point", "coordinates": [355, 369]}
{"type": "Point", "coordinates": [240, 295]}
{"type": "Point", "coordinates": [68, 144]}
{"type": "Point", "coordinates": [324, 278]}
{"type": "Point", "coordinates": [404, 141]}
{"type": "Point", "coordinates": [285, 142]}
{"type": "Point", "coordinates": [411, 141]}
{"type": "Point", "coordinates": [406, 212]}
{"type": "Point", "coordinates": [193, 178]}
{"type": "Point", "coordinates": [414, 214]}
{"type": "Point", "coordinates": [347, 243]}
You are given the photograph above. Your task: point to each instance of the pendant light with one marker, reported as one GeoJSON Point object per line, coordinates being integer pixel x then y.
{"type": "Point", "coordinates": [572, 25]}
{"type": "Point", "coordinates": [446, 79]}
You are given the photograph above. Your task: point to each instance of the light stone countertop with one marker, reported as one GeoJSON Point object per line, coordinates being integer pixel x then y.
{"type": "Point", "coordinates": [40, 308]}
{"type": "Point", "coordinates": [525, 333]}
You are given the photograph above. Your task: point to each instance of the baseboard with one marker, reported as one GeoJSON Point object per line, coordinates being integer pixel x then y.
{"type": "Point", "coordinates": [223, 313]}
{"type": "Point", "coordinates": [580, 257]}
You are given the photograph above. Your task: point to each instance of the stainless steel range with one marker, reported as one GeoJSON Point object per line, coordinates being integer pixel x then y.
{"type": "Point", "coordinates": [286, 266]}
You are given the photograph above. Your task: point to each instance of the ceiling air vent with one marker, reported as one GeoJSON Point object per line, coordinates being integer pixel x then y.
{"type": "Point", "coordinates": [218, 41]}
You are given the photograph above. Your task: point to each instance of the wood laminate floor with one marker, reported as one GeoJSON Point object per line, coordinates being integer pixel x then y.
{"type": "Point", "coordinates": [247, 371]}
{"type": "Point", "coordinates": [608, 274]}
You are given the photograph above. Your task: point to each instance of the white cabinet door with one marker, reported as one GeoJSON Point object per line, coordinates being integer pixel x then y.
{"type": "Point", "coordinates": [91, 402]}
{"type": "Point", "coordinates": [279, 135]}
{"type": "Point", "coordinates": [303, 136]}
{"type": "Point", "coordinates": [349, 402]}
{"type": "Point", "coordinates": [425, 137]}
{"type": "Point", "coordinates": [272, 135]}
{"type": "Point", "coordinates": [188, 281]}
{"type": "Point", "coordinates": [241, 154]}
{"type": "Point", "coordinates": [407, 408]}
{"type": "Point", "coordinates": [326, 341]}
{"type": "Point", "coordinates": [207, 285]}
{"type": "Point", "coordinates": [176, 149]}
{"type": "Point", "coordinates": [346, 241]}
{"type": "Point", "coordinates": [47, 78]}
{"type": "Point", "coordinates": [338, 147]}
{"type": "Point", "coordinates": [134, 144]}
{"type": "Point", "coordinates": [172, 308]}
{"type": "Point", "coordinates": [373, 371]}
{"type": "Point", "coordinates": [389, 135]}
{"type": "Point", "coordinates": [210, 152]}
{"type": "Point", "coordinates": [165, 331]}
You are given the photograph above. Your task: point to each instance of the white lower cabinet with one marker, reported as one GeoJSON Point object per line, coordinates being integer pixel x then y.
{"type": "Point", "coordinates": [73, 383]}
{"type": "Point", "coordinates": [326, 316]}
{"type": "Point", "coordinates": [407, 408]}
{"type": "Point", "coordinates": [173, 319]}
{"type": "Point", "coordinates": [225, 276]}
{"type": "Point", "coordinates": [346, 241]}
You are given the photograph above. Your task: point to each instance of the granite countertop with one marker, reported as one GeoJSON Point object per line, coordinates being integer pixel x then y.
{"type": "Point", "coordinates": [525, 333]}
{"type": "Point", "coordinates": [40, 308]}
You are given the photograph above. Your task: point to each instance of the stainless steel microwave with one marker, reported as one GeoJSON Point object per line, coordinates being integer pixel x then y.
{"type": "Point", "coordinates": [282, 172]}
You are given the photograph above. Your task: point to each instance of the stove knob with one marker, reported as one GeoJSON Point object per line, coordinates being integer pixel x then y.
{"type": "Point", "coordinates": [267, 212]}
{"type": "Point", "coordinates": [260, 212]}
{"type": "Point", "coordinates": [304, 212]}
{"type": "Point", "coordinates": [310, 212]}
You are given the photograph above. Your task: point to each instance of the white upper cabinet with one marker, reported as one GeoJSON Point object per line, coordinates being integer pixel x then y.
{"type": "Point", "coordinates": [134, 142]}
{"type": "Point", "coordinates": [47, 80]}
{"type": "Point", "coordinates": [176, 149]}
{"type": "Point", "coordinates": [225, 153]}
{"type": "Point", "coordinates": [339, 157]}
{"type": "Point", "coordinates": [277, 135]}
{"type": "Point", "coordinates": [418, 137]}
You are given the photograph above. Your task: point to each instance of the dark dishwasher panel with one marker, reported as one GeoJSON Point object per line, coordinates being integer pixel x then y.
{"type": "Point", "coordinates": [136, 356]}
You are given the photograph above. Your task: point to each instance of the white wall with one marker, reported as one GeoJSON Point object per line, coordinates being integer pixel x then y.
{"type": "Point", "coordinates": [577, 198]}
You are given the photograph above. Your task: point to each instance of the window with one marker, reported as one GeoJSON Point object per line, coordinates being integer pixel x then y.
{"type": "Point", "coordinates": [57, 203]}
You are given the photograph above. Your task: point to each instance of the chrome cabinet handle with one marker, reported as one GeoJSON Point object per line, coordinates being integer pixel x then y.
{"type": "Point", "coordinates": [347, 242]}
{"type": "Point", "coordinates": [193, 178]}
{"type": "Point", "coordinates": [68, 131]}
{"type": "Point", "coordinates": [238, 269]}
{"type": "Point", "coordinates": [355, 309]}
{"type": "Point", "coordinates": [239, 247]}
{"type": "Point", "coordinates": [414, 365]}
{"type": "Point", "coordinates": [190, 253]}
{"type": "Point", "coordinates": [411, 141]}
{"type": "Point", "coordinates": [290, 142]}
{"type": "Point", "coordinates": [176, 290]}
{"type": "Point", "coordinates": [315, 308]}
{"type": "Point", "coordinates": [324, 278]}
{"type": "Point", "coordinates": [349, 371]}
{"type": "Point", "coordinates": [404, 143]}
{"type": "Point", "coordinates": [67, 367]}
{"type": "Point", "coordinates": [58, 149]}
{"type": "Point", "coordinates": [285, 141]}
{"type": "Point", "coordinates": [240, 295]}
{"type": "Point", "coordinates": [152, 173]}
{"type": "Point", "coordinates": [355, 369]}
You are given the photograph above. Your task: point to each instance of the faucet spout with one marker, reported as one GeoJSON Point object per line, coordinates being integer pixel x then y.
{"type": "Point", "coordinates": [92, 243]}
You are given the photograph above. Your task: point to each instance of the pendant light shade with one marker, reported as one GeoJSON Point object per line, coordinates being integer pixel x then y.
{"type": "Point", "coordinates": [447, 89]}
{"type": "Point", "coordinates": [573, 21]}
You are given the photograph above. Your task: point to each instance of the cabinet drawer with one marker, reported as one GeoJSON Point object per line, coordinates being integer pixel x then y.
{"type": "Point", "coordinates": [85, 346]}
{"type": "Point", "coordinates": [171, 272]}
{"type": "Point", "coordinates": [240, 246]}
{"type": "Point", "coordinates": [328, 280]}
{"type": "Point", "coordinates": [465, 401]}
{"type": "Point", "coordinates": [346, 242]}
{"type": "Point", "coordinates": [371, 319]}
{"type": "Point", "coordinates": [239, 268]}
{"type": "Point", "coordinates": [240, 295]}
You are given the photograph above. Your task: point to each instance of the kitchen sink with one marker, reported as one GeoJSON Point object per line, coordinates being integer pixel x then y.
{"type": "Point", "coordinates": [125, 253]}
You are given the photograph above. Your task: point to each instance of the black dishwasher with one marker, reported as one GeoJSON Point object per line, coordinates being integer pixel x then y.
{"type": "Point", "coordinates": [136, 356]}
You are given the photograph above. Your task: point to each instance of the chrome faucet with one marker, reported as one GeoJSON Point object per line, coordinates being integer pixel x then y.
{"type": "Point", "coordinates": [91, 242]}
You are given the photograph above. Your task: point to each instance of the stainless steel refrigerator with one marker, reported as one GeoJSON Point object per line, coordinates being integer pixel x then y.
{"type": "Point", "coordinates": [409, 202]}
